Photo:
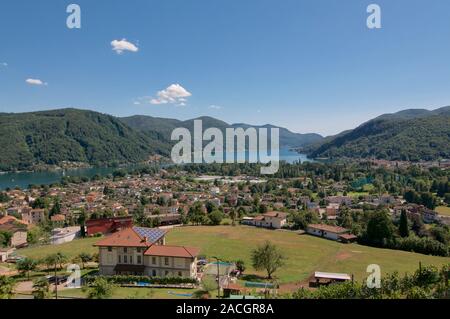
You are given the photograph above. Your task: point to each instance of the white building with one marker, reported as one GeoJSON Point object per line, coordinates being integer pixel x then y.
{"type": "Point", "coordinates": [330, 232]}
{"type": "Point", "coordinates": [64, 235]}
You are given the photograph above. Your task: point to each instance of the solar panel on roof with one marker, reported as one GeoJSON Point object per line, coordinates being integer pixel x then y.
{"type": "Point", "coordinates": [152, 234]}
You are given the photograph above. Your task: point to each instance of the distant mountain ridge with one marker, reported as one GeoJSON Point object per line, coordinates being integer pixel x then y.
{"type": "Point", "coordinates": [51, 137]}
{"type": "Point", "coordinates": [166, 126]}
{"type": "Point", "coordinates": [72, 135]}
{"type": "Point", "coordinates": [408, 135]}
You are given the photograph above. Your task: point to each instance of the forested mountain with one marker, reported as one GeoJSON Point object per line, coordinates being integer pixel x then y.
{"type": "Point", "coordinates": [50, 137]}
{"type": "Point", "coordinates": [165, 127]}
{"type": "Point", "coordinates": [409, 135]}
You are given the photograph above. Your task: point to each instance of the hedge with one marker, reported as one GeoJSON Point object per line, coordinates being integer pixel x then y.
{"type": "Point", "coordinates": [129, 279]}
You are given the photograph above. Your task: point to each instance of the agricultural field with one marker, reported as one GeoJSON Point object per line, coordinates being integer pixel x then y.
{"type": "Point", "coordinates": [305, 254]}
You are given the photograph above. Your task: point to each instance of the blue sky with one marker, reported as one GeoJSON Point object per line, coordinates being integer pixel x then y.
{"type": "Point", "coordinates": [310, 66]}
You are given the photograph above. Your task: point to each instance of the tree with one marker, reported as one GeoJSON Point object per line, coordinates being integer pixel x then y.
{"type": "Point", "coordinates": [215, 217]}
{"type": "Point", "coordinates": [403, 226]}
{"type": "Point", "coordinates": [6, 287]}
{"type": "Point", "coordinates": [100, 288]}
{"type": "Point", "coordinates": [267, 257]}
{"type": "Point", "coordinates": [41, 289]}
{"type": "Point", "coordinates": [206, 289]}
{"type": "Point", "coordinates": [56, 209]}
{"type": "Point", "coordinates": [380, 229]}
{"type": "Point", "coordinates": [82, 223]}
{"type": "Point", "coordinates": [240, 265]}
{"type": "Point", "coordinates": [26, 265]}
{"type": "Point", "coordinates": [84, 258]}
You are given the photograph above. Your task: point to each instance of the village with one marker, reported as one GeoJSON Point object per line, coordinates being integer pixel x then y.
{"type": "Point", "coordinates": [127, 218]}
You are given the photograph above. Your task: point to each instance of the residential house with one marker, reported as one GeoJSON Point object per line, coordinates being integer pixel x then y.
{"type": "Point", "coordinates": [33, 216]}
{"type": "Point", "coordinates": [142, 251]}
{"type": "Point", "coordinates": [17, 228]}
{"type": "Point", "coordinates": [272, 219]}
{"type": "Point", "coordinates": [331, 232]}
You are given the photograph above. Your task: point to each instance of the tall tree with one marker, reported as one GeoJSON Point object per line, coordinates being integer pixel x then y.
{"type": "Point", "coordinates": [403, 226]}
{"type": "Point", "coordinates": [26, 265]}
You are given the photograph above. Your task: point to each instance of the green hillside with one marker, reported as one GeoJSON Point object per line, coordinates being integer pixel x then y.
{"type": "Point", "coordinates": [410, 135]}
{"type": "Point", "coordinates": [50, 137]}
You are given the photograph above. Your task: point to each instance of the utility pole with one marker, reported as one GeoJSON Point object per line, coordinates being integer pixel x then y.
{"type": "Point", "coordinates": [218, 276]}
{"type": "Point", "coordinates": [56, 284]}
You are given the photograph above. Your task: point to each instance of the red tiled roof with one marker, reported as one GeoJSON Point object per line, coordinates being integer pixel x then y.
{"type": "Point", "coordinates": [123, 238]}
{"type": "Point", "coordinates": [348, 236]}
{"type": "Point", "coordinates": [329, 228]}
{"type": "Point", "coordinates": [11, 219]}
{"type": "Point", "coordinates": [276, 214]}
{"type": "Point", "coordinates": [172, 251]}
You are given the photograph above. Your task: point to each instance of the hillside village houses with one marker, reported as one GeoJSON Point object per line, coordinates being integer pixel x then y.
{"type": "Point", "coordinates": [143, 251]}
{"type": "Point", "coordinates": [18, 230]}
{"type": "Point", "coordinates": [166, 200]}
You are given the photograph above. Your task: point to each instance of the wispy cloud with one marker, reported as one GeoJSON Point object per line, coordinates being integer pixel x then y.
{"type": "Point", "coordinates": [35, 82]}
{"type": "Point", "coordinates": [123, 45]}
{"type": "Point", "coordinates": [173, 94]}
{"type": "Point", "coordinates": [215, 107]}
{"type": "Point", "coordinates": [3, 64]}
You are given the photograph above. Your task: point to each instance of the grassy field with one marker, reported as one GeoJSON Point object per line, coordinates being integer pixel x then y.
{"type": "Point", "coordinates": [305, 254]}
{"type": "Point", "coordinates": [71, 249]}
{"type": "Point", "coordinates": [443, 210]}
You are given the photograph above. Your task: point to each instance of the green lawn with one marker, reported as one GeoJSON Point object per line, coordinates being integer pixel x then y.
{"type": "Point", "coordinates": [443, 210]}
{"type": "Point", "coordinates": [305, 254]}
{"type": "Point", "coordinates": [71, 249]}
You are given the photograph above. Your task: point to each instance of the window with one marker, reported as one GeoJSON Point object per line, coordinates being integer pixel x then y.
{"type": "Point", "coordinates": [125, 259]}
{"type": "Point", "coordinates": [154, 273]}
{"type": "Point", "coordinates": [120, 259]}
{"type": "Point", "coordinates": [166, 261]}
{"type": "Point", "coordinates": [131, 259]}
{"type": "Point", "coordinates": [125, 249]}
{"type": "Point", "coordinates": [139, 259]}
{"type": "Point", "coordinates": [110, 249]}
{"type": "Point", "coordinates": [154, 260]}
{"type": "Point", "coordinates": [180, 274]}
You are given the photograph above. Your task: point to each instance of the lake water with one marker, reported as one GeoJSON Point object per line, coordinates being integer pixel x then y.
{"type": "Point", "coordinates": [24, 179]}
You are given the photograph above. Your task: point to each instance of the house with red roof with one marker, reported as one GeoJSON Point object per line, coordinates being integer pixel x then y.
{"type": "Point", "coordinates": [143, 251]}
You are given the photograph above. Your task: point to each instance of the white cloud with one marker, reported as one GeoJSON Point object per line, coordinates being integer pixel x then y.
{"type": "Point", "coordinates": [173, 94]}
{"type": "Point", "coordinates": [35, 82]}
{"type": "Point", "coordinates": [215, 107]}
{"type": "Point", "coordinates": [123, 45]}
{"type": "Point", "coordinates": [4, 64]}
